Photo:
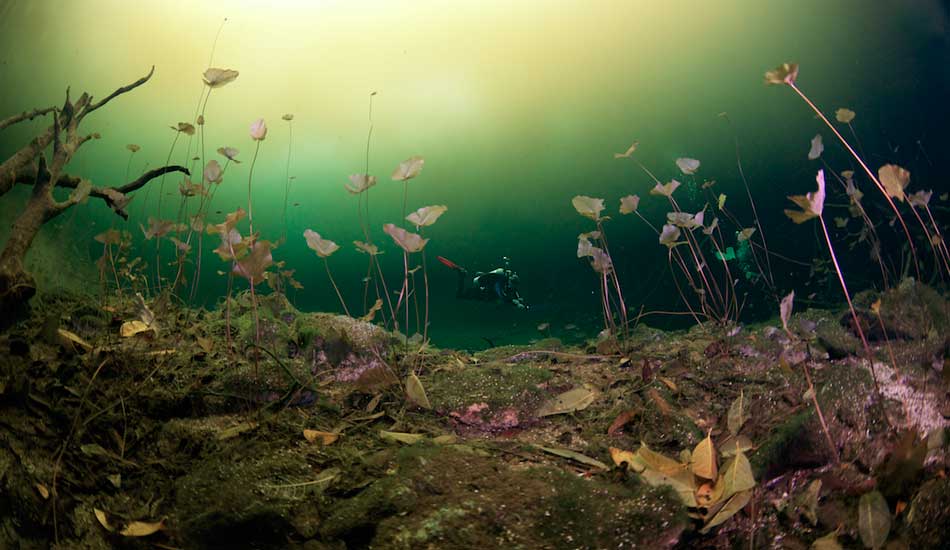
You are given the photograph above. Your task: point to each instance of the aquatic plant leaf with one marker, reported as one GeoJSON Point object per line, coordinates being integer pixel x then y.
{"type": "Point", "coordinates": [844, 115]}
{"type": "Point", "coordinates": [840, 222]}
{"type": "Point", "coordinates": [110, 236]}
{"type": "Point", "coordinates": [200, 121]}
{"type": "Point", "coordinates": [189, 189]}
{"type": "Point", "coordinates": [408, 169]}
{"type": "Point", "coordinates": [785, 309]}
{"type": "Point", "coordinates": [584, 247]}
{"type": "Point", "coordinates": [669, 235]}
{"type": "Point", "coordinates": [258, 130]}
{"type": "Point", "coordinates": [874, 519]}
{"type": "Point", "coordinates": [212, 172]}
{"type": "Point", "coordinates": [229, 153]}
{"type": "Point", "coordinates": [827, 542]}
{"type": "Point", "coordinates": [232, 246]}
{"type": "Point", "coordinates": [745, 234]}
{"type": "Point", "coordinates": [733, 445]}
{"type": "Point", "coordinates": [367, 248]}
{"type": "Point", "coordinates": [629, 204]}
{"type": "Point", "coordinates": [817, 147]}
{"type": "Point", "coordinates": [157, 228]}
{"type": "Point", "coordinates": [732, 506]}
{"type": "Point", "coordinates": [703, 459]}
{"type": "Point", "coordinates": [685, 219]}
{"type": "Point", "coordinates": [807, 502]}
{"type": "Point", "coordinates": [180, 245]}
{"type": "Point", "coordinates": [588, 207]}
{"type": "Point", "coordinates": [575, 456]}
{"type": "Point", "coordinates": [665, 190]}
{"type": "Point", "coordinates": [894, 179]}
{"type": "Point", "coordinates": [738, 414]}
{"type": "Point", "coordinates": [359, 183]}
{"type": "Point", "coordinates": [416, 392]}
{"type": "Point", "coordinates": [230, 222]}
{"type": "Point", "coordinates": [736, 477]}
{"type": "Point", "coordinates": [185, 128]}
{"type": "Point", "coordinates": [253, 266]}
{"type": "Point", "coordinates": [786, 73]}
{"type": "Point", "coordinates": [687, 166]}
{"type": "Point", "coordinates": [920, 199]}
{"type": "Point", "coordinates": [410, 242]}
{"type": "Point", "coordinates": [215, 78]}
{"type": "Point", "coordinates": [708, 230]}
{"type": "Point", "coordinates": [323, 247]}
{"type": "Point", "coordinates": [401, 437]}
{"type": "Point", "coordinates": [133, 147]}
{"type": "Point", "coordinates": [324, 438]}
{"type": "Point", "coordinates": [427, 215]}
{"type": "Point", "coordinates": [721, 201]}
{"type": "Point", "coordinates": [576, 399]}
{"type": "Point", "coordinates": [660, 462]}
{"type": "Point", "coordinates": [377, 305]}
{"type": "Point", "coordinates": [626, 154]}
{"type": "Point", "coordinates": [142, 528]}
{"type": "Point", "coordinates": [810, 203]}
{"type": "Point", "coordinates": [288, 117]}
{"type": "Point", "coordinates": [600, 261]}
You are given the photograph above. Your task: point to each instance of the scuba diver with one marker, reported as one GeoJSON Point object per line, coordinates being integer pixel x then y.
{"type": "Point", "coordinates": [499, 284]}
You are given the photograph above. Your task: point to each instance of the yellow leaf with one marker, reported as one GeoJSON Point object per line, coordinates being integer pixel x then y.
{"type": "Point", "coordinates": [704, 459]}
{"type": "Point", "coordinates": [415, 392]}
{"type": "Point", "coordinates": [894, 179]}
{"type": "Point", "coordinates": [576, 399]}
{"type": "Point", "coordinates": [620, 457]}
{"type": "Point", "coordinates": [827, 542]}
{"type": "Point", "coordinates": [733, 505]}
{"type": "Point", "coordinates": [738, 413]}
{"type": "Point", "coordinates": [660, 462]}
{"type": "Point", "coordinates": [141, 528]}
{"type": "Point", "coordinates": [325, 438]}
{"type": "Point", "coordinates": [736, 477]}
{"type": "Point", "coordinates": [131, 328]}
{"type": "Point", "coordinates": [668, 383]}
{"type": "Point", "coordinates": [71, 339]}
{"type": "Point", "coordinates": [401, 437]}
{"type": "Point", "coordinates": [44, 492]}
{"type": "Point", "coordinates": [103, 520]}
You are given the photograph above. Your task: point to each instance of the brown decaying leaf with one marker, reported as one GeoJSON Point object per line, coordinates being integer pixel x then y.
{"type": "Point", "coordinates": [874, 519]}
{"type": "Point", "coordinates": [785, 309]}
{"type": "Point", "coordinates": [427, 215]}
{"type": "Point", "coordinates": [738, 414]}
{"type": "Point", "coordinates": [660, 403]}
{"type": "Point", "coordinates": [215, 78]}
{"type": "Point", "coordinates": [666, 189]}
{"type": "Point", "coordinates": [687, 166]}
{"type": "Point", "coordinates": [253, 266]}
{"type": "Point", "coordinates": [576, 399]}
{"type": "Point", "coordinates": [377, 305]}
{"type": "Point", "coordinates": [359, 183]}
{"type": "Point", "coordinates": [622, 420]}
{"type": "Point", "coordinates": [317, 436]}
{"type": "Point", "coordinates": [323, 247]}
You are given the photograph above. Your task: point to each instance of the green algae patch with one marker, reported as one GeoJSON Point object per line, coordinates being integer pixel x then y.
{"type": "Point", "coordinates": [445, 497]}
{"type": "Point", "coordinates": [493, 384]}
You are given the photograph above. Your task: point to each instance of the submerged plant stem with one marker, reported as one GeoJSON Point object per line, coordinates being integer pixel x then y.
{"type": "Point", "coordinates": [326, 264]}
{"type": "Point", "coordinates": [910, 240]}
{"type": "Point", "coordinates": [250, 175]}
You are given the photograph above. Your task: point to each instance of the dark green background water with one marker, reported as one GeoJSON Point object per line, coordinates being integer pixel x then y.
{"type": "Point", "coordinates": [516, 110]}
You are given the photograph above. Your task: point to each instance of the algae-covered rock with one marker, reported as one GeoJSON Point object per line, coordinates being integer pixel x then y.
{"type": "Point", "coordinates": [911, 311]}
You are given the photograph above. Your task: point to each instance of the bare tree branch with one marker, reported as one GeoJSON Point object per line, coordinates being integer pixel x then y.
{"type": "Point", "coordinates": [113, 195]}
{"type": "Point", "coordinates": [119, 91]}
{"type": "Point", "coordinates": [27, 115]}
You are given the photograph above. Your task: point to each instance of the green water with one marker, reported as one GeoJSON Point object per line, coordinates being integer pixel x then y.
{"type": "Point", "coordinates": [516, 109]}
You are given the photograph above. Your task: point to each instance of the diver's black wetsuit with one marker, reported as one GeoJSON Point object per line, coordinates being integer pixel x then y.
{"type": "Point", "coordinates": [497, 285]}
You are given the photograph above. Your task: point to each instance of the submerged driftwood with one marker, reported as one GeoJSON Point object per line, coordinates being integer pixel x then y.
{"type": "Point", "coordinates": [30, 166]}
